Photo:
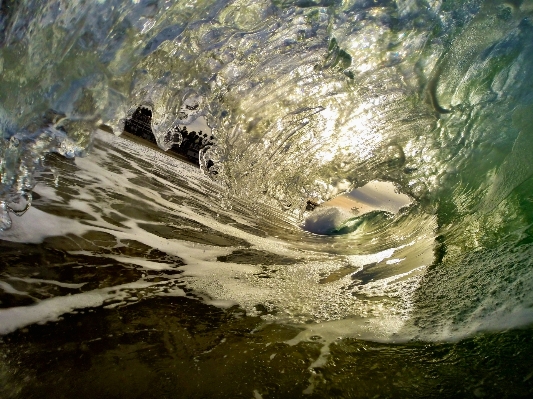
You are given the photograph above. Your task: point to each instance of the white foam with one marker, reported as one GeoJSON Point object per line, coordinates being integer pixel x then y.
{"type": "Point", "coordinates": [43, 281]}
{"type": "Point", "coordinates": [220, 303]}
{"type": "Point", "coordinates": [46, 191]}
{"type": "Point", "coordinates": [36, 225]}
{"type": "Point", "coordinates": [9, 289]}
{"type": "Point", "coordinates": [361, 260]}
{"type": "Point", "coordinates": [145, 264]}
{"type": "Point", "coordinates": [51, 309]}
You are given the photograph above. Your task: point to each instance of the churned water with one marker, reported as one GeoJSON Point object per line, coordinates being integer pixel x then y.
{"type": "Point", "coordinates": [127, 272]}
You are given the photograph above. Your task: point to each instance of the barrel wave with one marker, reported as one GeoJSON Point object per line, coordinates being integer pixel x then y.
{"type": "Point", "coordinates": [366, 188]}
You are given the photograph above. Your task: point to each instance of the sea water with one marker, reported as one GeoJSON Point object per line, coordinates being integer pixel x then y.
{"type": "Point", "coordinates": [126, 272]}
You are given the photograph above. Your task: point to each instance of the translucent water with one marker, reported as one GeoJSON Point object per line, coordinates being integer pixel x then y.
{"type": "Point", "coordinates": [217, 281]}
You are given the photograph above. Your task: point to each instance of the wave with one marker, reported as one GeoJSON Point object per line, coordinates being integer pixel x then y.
{"type": "Point", "coordinates": [305, 100]}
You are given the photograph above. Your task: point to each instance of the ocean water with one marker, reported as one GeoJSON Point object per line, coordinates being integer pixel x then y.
{"type": "Point", "coordinates": [127, 272]}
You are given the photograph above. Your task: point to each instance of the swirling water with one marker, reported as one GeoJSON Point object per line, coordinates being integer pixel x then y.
{"type": "Point", "coordinates": [131, 273]}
